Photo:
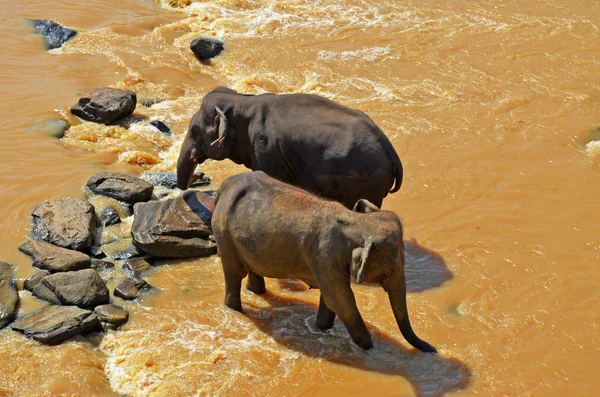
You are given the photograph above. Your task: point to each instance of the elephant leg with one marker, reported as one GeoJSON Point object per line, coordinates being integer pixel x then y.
{"type": "Point", "coordinates": [344, 305]}
{"type": "Point", "coordinates": [234, 273]}
{"type": "Point", "coordinates": [325, 317]}
{"type": "Point", "coordinates": [255, 283]}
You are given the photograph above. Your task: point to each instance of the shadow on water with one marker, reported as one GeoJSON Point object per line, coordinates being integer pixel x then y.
{"type": "Point", "coordinates": [424, 268]}
{"type": "Point", "coordinates": [292, 324]}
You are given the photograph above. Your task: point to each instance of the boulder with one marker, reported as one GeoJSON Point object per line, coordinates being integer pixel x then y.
{"type": "Point", "coordinates": [128, 289]}
{"type": "Point", "coordinates": [68, 223]}
{"type": "Point", "coordinates": [136, 266]}
{"type": "Point", "coordinates": [100, 265]}
{"type": "Point", "coordinates": [206, 47]}
{"type": "Point", "coordinates": [162, 127]}
{"type": "Point", "coordinates": [111, 314]}
{"type": "Point", "coordinates": [54, 258]}
{"type": "Point", "coordinates": [169, 180]}
{"type": "Point", "coordinates": [52, 324]}
{"type": "Point", "coordinates": [122, 187]}
{"type": "Point", "coordinates": [54, 34]}
{"type": "Point", "coordinates": [35, 279]}
{"type": "Point", "coordinates": [105, 105]}
{"type": "Point", "coordinates": [83, 288]}
{"type": "Point", "coordinates": [175, 228]}
{"type": "Point", "coordinates": [109, 216]}
{"type": "Point", "coordinates": [9, 298]}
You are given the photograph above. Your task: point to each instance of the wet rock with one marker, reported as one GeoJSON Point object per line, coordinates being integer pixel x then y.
{"type": "Point", "coordinates": [9, 298]}
{"type": "Point", "coordinates": [35, 279]}
{"type": "Point", "coordinates": [137, 267]}
{"type": "Point", "coordinates": [128, 289]}
{"type": "Point", "coordinates": [122, 187]}
{"type": "Point", "coordinates": [54, 258]}
{"type": "Point", "coordinates": [68, 223]}
{"type": "Point", "coordinates": [169, 180]}
{"type": "Point", "coordinates": [105, 105]}
{"type": "Point", "coordinates": [109, 216]}
{"type": "Point", "coordinates": [55, 128]}
{"type": "Point", "coordinates": [83, 288]}
{"type": "Point", "coordinates": [52, 324]}
{"type": "Point", "coordinates": [54, 34]}
{"type": "Point", "coordinates": [111, 314]}
{"type": "Point", "coordinates": [206, 48]}
{"type": "Point", "coordinates": [175, 228]}
{"type": "Point", "coordinates": [100, 265]}
{"type": "Point", "coordinates": [119, 250]}
{"type": "Point", "coordinates": [162, 127]}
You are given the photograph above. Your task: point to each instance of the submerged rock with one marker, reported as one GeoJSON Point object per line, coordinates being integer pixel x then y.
{"type": "Point", "coordinates": [122, 187]}
{"type": "Point", "coordinates": [109, 216]}
{"type": "Point", "coordinates": [9, 298]}
{"type": "Point", "coordinates": [35, 279]}
{"type": "Point", "coordinates": [111, 314]}
{"type": "Point", "coordinates": [128, 289]}
{"type": "Point", "coordinates": [206, 48]}
{"type": "Point", "coordinates": [68, 223]}
{"type": "Point", "coordinates": [105, 105]}
{"type": "Point", "coordinates": [53, 324]}
{"type": "Point", "coordinates": [54, 34]}
{"type": "Point", "coordinates": [54, 258]}
{"type": "Point", "coordinates": [175, 228]}
{"type": "Point", "coordinates": [162, 127]}
{"type": "Point", "coordinates": [137, 267]}
{"type": "Point", "coordinates": [83, 288]}
{"type": "Point", "coordinates": [169, 180]}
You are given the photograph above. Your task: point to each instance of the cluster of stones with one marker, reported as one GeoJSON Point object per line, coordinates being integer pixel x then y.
{"type": "Point", "coordinates": [75, 243]}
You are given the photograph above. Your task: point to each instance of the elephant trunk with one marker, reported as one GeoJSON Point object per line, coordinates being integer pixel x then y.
{"type": "Point", "coordinates": [186, 163]}
{"type": "Point", "coordinates": [397, 294]}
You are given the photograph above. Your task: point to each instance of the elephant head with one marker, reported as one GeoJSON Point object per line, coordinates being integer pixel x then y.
{"type": "Point", "coordinates": [381, 260]}
{"type": "Point", "coordinates": [207, 137]}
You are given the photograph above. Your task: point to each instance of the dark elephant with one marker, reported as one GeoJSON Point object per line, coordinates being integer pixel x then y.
{"type": "Point", "coordinates": [301, 139]}
{"type": "Point", "coordinates": [266, 228]}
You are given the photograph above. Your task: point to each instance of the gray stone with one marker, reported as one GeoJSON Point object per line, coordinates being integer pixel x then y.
{"type": "Point", "coordinates": [105, 105]}
{"type": "Point", "coordinates": [136, 266]}
{"type": "Point", "coordinates": [100, 265]}
{"type": "Point", "coordinates": [83, 288]}
{"type": "Point", "coordinates": [206, 47]}
{"type": "Point", "coordinates": [54, 258]}
{"type": "Point", "coordinates": [111, 314]}
{"type": "Point", "coordinates": [122, 187]}
{"type": "Point", "coordinates": [162, 127]}
{"type": "Point", "coordinates": [109, 216]}
{"type": "Point", "coordinates": [54, 34]}
{"type": "Point", "coordinates": [68, 223]}
{"type": "Point", "coordinates": [128, 289]}
{"type": "Point", "coordinates": [175, 228]}
{"type": "Point", "coordinates": [33, 280]}
{"type": "Point", "coordinates": [52, 324]}
{"type": "Point", "coordinates": [169, 180]}
{"type": "Point", "coordinates": [9, 298]}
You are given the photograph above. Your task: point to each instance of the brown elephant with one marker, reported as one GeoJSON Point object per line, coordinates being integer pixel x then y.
{"type": "Point", "coordinates": [301, 139]}
{"type": "Point", "coordinates": [266, 228]}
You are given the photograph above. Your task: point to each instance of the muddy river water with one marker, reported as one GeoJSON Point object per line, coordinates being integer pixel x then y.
{"type": "Point", "coordinates": [493, 107]}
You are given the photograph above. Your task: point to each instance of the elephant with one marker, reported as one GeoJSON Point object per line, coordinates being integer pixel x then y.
{"type": "Point", "coordinates": [267, 228]}
{"type": "Point", "coordinates": [301, 139]}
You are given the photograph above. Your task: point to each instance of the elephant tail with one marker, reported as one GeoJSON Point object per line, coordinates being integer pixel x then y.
{"type": "Point", "coordinates": [397, 170]}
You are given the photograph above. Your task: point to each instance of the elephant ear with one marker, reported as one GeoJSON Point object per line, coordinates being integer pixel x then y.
{"type": "Point", "coordinates": [221, 124]}
{"type": "Point", "coordinates": [360, 256]}
{"type": "Point", "coordinates": [365, 207]}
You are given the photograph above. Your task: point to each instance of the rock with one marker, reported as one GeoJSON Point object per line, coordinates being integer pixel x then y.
{"type": "Point", "coordinates": [54, 258]}
{"type": "Point", "coordinates": [136, 267]}
{"type": "Point", "coordinates": [55, 128]}
{"type": "Point", "coordinates": [83, 288]}
{"type": "Point", "coordinates": [33, 280]}
{"type": "Point", "coordinates": [68, 223]}
{"type": "Point", "coordinates": [105, 105]}
{"type": "Point", "coordinates": [109, 216]}
{"type": "Point", "coordinates": [128, 289]}
{"type": "Point", "coordinates": [52, 324]}
{"type": "Point", "coordinates": [119, 250]}
{"type": "Point", "coordinates": [111, 314]}
{"type": "Point", "coordinates": [100, 265]}
{"type": "Point", "coordinates": [122, 187]}
{"type": "Point", "coordinates": [175, 228]}
{"type": "Point", "coordinates": [9, 298]}
{"type": "Point", "coordinates": [169, 180]}
{"type": "Point", "coordinates": [206, 48]}
{"type": "Point", "coordinates": [162, 127]}
{"type": "Point", "coordinates": [54, 34]}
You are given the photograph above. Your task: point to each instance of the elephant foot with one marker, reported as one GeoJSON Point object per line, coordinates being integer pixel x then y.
{"type": "Point", "coordinates": [325, 317]}
{"type": "Point", "coordinates": [256, 283]}
{"type": "Point", "coordinates": [364, 342]}
{"type": "Point", "coordinates": [237, 306]}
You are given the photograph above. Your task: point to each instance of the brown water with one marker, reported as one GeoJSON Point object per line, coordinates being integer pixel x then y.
{"type": "Point", "coordinates": [490, 105]}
